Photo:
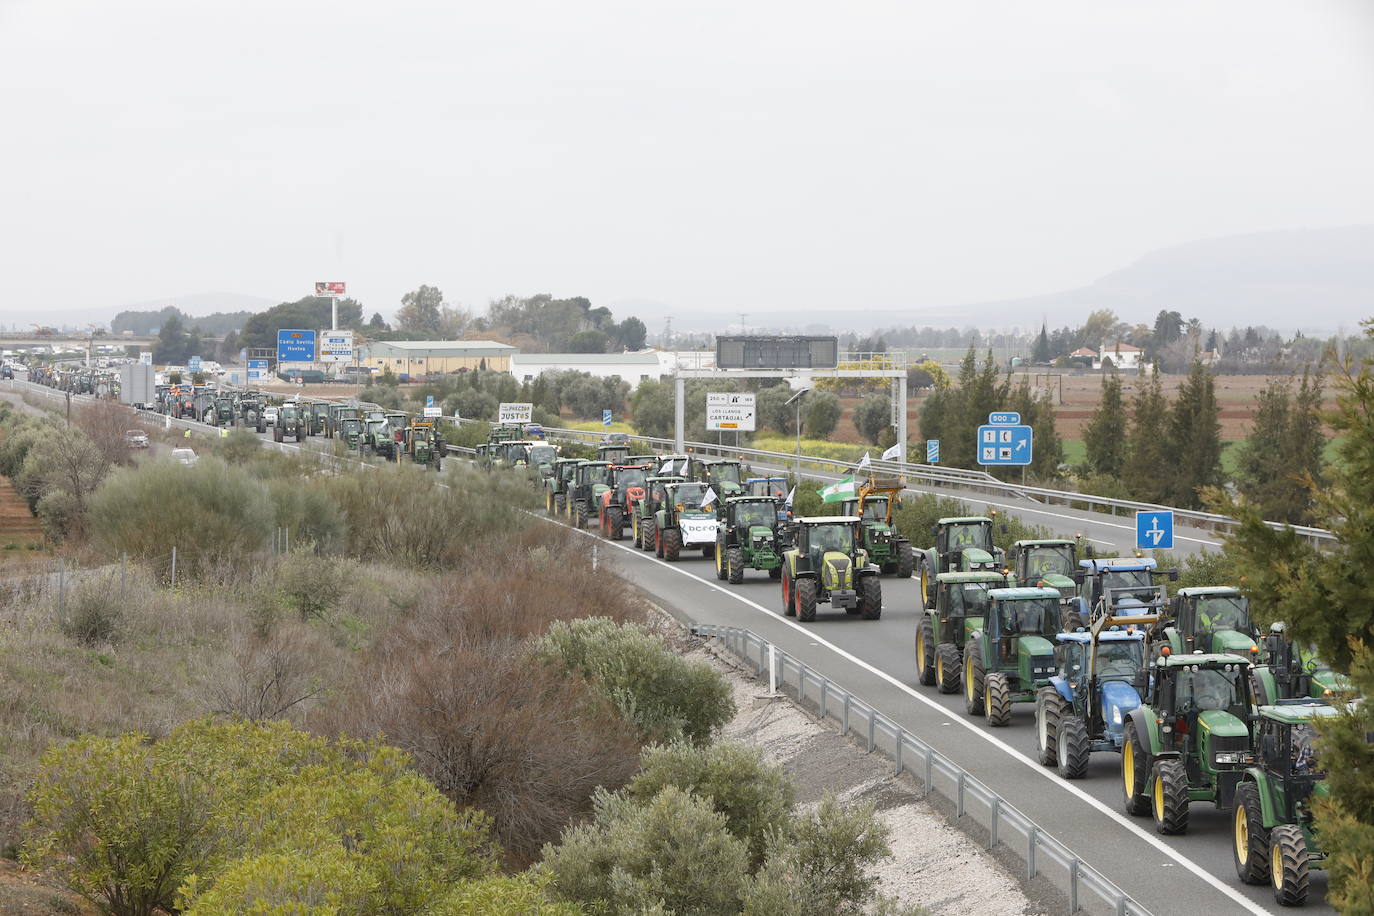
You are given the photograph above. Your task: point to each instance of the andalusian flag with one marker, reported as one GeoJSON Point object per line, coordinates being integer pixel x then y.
{"type": "Point", "coordinates": [838, 491]}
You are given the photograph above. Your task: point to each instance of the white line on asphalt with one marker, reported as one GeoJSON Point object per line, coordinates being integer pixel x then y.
{"type": "Point", "coordinates": [1001, 745]}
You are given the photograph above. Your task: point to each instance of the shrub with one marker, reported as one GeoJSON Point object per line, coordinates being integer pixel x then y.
{"type": "Point", "coordinates": [754, 796]}
{"type": "Point", "coordinates": [527, 894]}
{"type": "Point", "coordinates": [93, 615]}
{"type": "Point", "coordinates": [673, 852]}
{"type": "Point", "coordinates": [311, 586]}
{"type": "Point", "coordinates": [666, 696]}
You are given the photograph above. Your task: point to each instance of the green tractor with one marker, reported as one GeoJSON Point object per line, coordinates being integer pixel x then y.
{"type": "Point", "coordinates": [251, 408]}
{"type": "Point", "coordinates": [683, 522]}
{"type": "Point", "coordinates": [224, 410]}
{"type": "Point", "coordinates": [828, 564]}
{"type": "Point", "coordinates": [338, 413]}
{"type": "Point", "coordinates": [1013, 655]}
{"type": "Point", "coordinates": [748, 538]}
{"type": "Point", "coordinates": [315, 414]}
{"type": "Point", "coordinates": [590, 480]}
{"type": "Point", "coordinates": [376, 434]}
{"type": "Point", "coordinates": [1101, 676]}
{"type": "Point", "coordinates": [1288, 671]}
{"type": "Point", "coordinates": [723, 475]}
{"type": "Point", "coordinates": [389, 441]}
{"type": "Point", "coordinates": [288, 423]}
{"type": "Point", "coordinates": [541, 456]}
{"type": "Point", "coordinates": [961, 545]}
{"type": "Point", "coordinates": [1049, 564]}
{"type": "Point", "coordinates": [1275, 840]}
{"type": "Point", "coordinates": [613, 454]}
{"type": "Point", "coordinates": [1190, 739]}
{"type": "Point", "coordinates": [644, 512]}
{"type": "Point", "coordinates": [1215, 619]}
{"type": "Point", "coordinates": [959, 610]}
{"type": "Point", "coordinates": [351, 430]}
{"type": "Point", "coordinates": [423, 445]}
{"type": "Point", "coordinates": [886, 547]}
{"type": "Point", "coordinates": [557, 483]}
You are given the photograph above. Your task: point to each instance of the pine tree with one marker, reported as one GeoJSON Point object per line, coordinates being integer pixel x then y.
{"type": "Point", "coordinates": [1307, 440]}
{"type": "Point", "coordinates": [1284, 451]}
{"type": "Point", "coordinates": [1105, 437]}
{"type": "Point", "coordinates": [1147, 447]}
{"type": "Point", "coordinates": [1194, 439]}
{"type": "Point", "coordinates": [1041, 353]}
{"type": "Point", "coordinates": [1037, 411]}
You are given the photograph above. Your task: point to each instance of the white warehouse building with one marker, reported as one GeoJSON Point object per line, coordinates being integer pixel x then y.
{"type": "Point", "coordinates": [631, 367]}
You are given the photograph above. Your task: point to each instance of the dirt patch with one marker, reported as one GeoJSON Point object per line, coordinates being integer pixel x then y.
{"type": "Point", "coordinates": [27, 893]}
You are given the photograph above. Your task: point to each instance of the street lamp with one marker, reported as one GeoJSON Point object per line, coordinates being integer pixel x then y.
{"type": "Point", "coordinates": [798, 399]}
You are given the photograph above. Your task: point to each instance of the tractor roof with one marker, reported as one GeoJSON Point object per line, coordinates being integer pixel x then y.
{"type": "Point", "coordinates": [567, 460]}
{"type": "Point", "coordinates": [733, 500]}
{"type": "Point", "coordinates": [665, 479]}
{"type": "Point", "coordinates": [1298, 713]}
{"type": "Point", "coordinates": [964, 521]}
{"type": "Point", "coordinates": [763, 479]}
{"type": "Point", "coordinates": [1063, 542]}
{"type": "Point", "coordinates": [1124, 564]}
{"type": "Point", "coordinates": [1135, 635]}
{"type": "Point", "coordinates": [1206, 659]}
{"type": "Point", "coordinates": [983, 576]}
{"type": "Point", "coordinates": [1206, 590]}
{"type": "Point", "coordinates": [829, 520]}
{"type": "Point", "coordinates": [1023, 594]}
{"type": "Point", "coordinates": [719, 460]}
{"type": "Point", "coordinates": [598, 464]}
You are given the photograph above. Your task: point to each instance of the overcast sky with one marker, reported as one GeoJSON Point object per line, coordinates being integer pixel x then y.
{"type": "Point", "coordinates": [709, 156]}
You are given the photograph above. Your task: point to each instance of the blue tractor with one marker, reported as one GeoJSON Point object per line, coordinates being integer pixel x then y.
{"type": "Point", "coordinates": [1085, 706]}
{"type": "Point", "coordinates": [1116, 587]}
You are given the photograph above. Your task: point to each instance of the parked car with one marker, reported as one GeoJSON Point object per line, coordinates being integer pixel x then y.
{"type": "Point", "coordinates": [184, 456]}
{"type": "Point", "coordinates": [269, 415]}
{"type": "Point", "coordinates": [136, 438]}
{"type": "Point", "coordinates": [616, 439]}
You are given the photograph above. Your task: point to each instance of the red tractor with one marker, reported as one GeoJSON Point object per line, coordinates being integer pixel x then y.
{"type": "Point", "coordinates": [618, 500]}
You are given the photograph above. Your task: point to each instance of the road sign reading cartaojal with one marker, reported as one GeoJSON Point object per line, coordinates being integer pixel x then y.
{"type": "Point", "coordinates": [730, 410]}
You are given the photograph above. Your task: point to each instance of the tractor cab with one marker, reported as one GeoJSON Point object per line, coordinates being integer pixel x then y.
{"type": "Point", "coordinates": [723, 474]}
{"type": "Point", "coordinates": [1013, 655]}
{"type": "Point", "coordinates": [767, 486]}
{"type": "Point", "coordinates": [673, 466]}
{"type": "Point", "coordinates": [748, 537]}
{"type": "Point", "coordinates": [589, 480]}
{"type": "Point", "coordinates": [628, 481]}
{"type": "Point", "coordinates": [961, 545]}
{"type": "Point", "coordinates": [1213, 619]}
{"type": "Point", "coordinates": [224, 410]}
{"type": "Point", "coordinates": [613, 454]}
{"type": "Point", "coordinates": [351, 429]}
{"type": "Point", "coordinates": [422, 444]}
{"type": "Point", "coordinates": [1121, 586]}
{"type": "Point", "coordinates": [651, 460]}
{"type": "Point", "coordinates": [828, 564]}
{"type": "Point", "coordinates": [873, 504]}
{"type": "Point", "coordinates": [542, 456]}
{"type": "Point", "coordinates": [1287, 670]}
{"type": "Point", "coordinates": [1048, 564]}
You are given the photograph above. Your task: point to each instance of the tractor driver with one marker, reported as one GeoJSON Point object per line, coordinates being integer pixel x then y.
{"type": "Point", "coordinates": [1117, 660]}
{"type": "Point", "coordinates": [1222, 614]}
{"type": "Point", "coordinates": [1211, 690]}
{"type": "Point", "coordinates": [828, 537]}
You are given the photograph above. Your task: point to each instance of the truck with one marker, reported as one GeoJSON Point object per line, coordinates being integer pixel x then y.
{"type": "Point", "coordinates": [137, 386]}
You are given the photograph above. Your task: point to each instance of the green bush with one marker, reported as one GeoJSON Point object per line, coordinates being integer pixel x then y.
{"type": "Point", "coordinates": [754, 796]}
{"type": "Point", "coordinates": [93, 615]}
{"type": "Point", "coordinates": [239, 447]}
{"type": "Point", "coordinates": [666, 696]}
{"type": "Point", "coordinates": [137, 826]}
{"type": "Point", "coordinates": [671, 854]}
{"type": "Point", "coordinates": [526, 894]}
{"type": "Point", "coordinates": [311, 586]}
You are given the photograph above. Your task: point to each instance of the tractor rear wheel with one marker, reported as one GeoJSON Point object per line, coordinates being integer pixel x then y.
{"type": "Point", "coordinates": [948, 667]}
{"type": "Point", "coordinates": [775, 573]}
{"type": "Point", "coordinates": [1288, 864]}
{"type": "Point", "coordinates": [548, 502]}
{"type": "Point", "coordinates": [973, 677]}
{"type": "Point", "coordinates": [925, 651]}
{"type": "Point", "coordinates": [672, 544]}
{"type": "Point", "coordinates": [1135, 769]}
{"type": "Point", "coordinates": [906, 560]}
{"type": "Point", "coordinates": [560, 502]}
{"type": "Point", "coordinates": [1049, 711]}
{"type": "Point", "coordinates": [806, 599]}
{"type": "Point", "coordinates": [734, 565]}
{"type": "Point", "coordinates": [997, 699]}
{"type": "Point", "coordinates": [1169, 797]}
{"type": "Point", "coordinates": [300, 436]}
{"type": "Point", "coordinates": [1073, 747]}
{"type": "Point", "coordinates": [870, 597]}
{"type": "Point", "coordinates": [580, 514]}
{"type": "Point", "coordinates": [649, 533]}
{"type": "Point", "coordinates": [721, 572]}
{"type": "Point", "coordinates": [787, 609]}
{"type": "Point", "coordinates": [615, 522]}
{"type": "Point", "coordinates": [924, 583]}
{"type": "Point", "coordinates": [1250, 841]}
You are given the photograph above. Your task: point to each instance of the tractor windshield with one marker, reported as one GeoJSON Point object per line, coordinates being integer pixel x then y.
{"type": "Point", "coordinates": [597, 474]}
{"type": "Point", "coordinates": [689, 495]}
{"type": "Point", "coordinates": [1210, 688]}
{"type": "Point", "coordinates": [767, 488]}
{"type": "Point", "coordinates": [630, 477]}
{"type": "Point", "coordinates": [724, 473]}
{"type": "Point", "coordinates": [875, 509]}
{"type": "Point", "coordinates": [1049, 561]}
{"type": "Point", "coordinates": [1138, 579]}
{"type": "Point", "coordinates": [1224, 612]}
{"type": "Point", "coordinates": [543, 454]}
{"type": "Point", "coordinates": [972, 536]}
{"type": "Point", "coordinates": [826, 538]}
{"type": "Point", "coordinates": [751, 514]}
{"type": "Point", "coordinates": [1028, 617]}
{"type": "Point", "coordinates": [1118, 661]}
{"type": "Point", "coordinates": [969, 599]}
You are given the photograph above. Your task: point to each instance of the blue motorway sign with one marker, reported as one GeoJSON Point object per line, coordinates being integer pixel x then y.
{"type": "Point", "coordinates": [257, 370]}
{"type": "Point", "coordinates": [294, 346]}
{"type": "Point", "coordinates": [1004, 418]}
{"type": "Point", "coordinates": [605, 418]}
{"type": "Point", "coordinates": [932, 451]}
{"type": "Point", "coordinates": [1154, 530]}
{"type": "Point", "coordinates": [1004, 445]}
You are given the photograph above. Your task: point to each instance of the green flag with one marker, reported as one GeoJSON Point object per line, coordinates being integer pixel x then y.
{"type": "Point", "coordinates": [838, 491]}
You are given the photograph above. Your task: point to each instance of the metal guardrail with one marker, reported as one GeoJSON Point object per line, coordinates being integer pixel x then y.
{"type": "Point", "coordinates": [958, 478]}
{"type": "Point", "coordinates": [1042, 853]}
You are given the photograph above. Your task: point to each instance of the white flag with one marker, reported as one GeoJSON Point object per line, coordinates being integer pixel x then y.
{"type": "Point", "coordinates": [893, 453]}
{"type": "Point", "coordinates": [790, 494]}
{"type": "Point", "coordinates": [709, 498]}
{"type": "Point", "coordinates": [863, 462]}
{"type": "Point", "coordinates": [666, 469]}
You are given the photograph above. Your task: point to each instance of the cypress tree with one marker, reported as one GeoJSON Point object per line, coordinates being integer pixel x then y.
{"type": "Point", "coordinates": [1105, 437]}
{"type": "Point", "coordinates": [1194, 439]}
{"type": "Point", "coordinates": [1147, 447]}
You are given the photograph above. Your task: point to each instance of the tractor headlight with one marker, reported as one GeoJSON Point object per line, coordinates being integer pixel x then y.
{"type": "Point", "coordinates": [1234, 758]}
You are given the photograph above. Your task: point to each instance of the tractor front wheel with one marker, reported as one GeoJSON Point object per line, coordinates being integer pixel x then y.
{"type": "Point", "coordinates": [649, 533]}
{"type": "Point", "coordinates": [906, 560]}
{"type": "Point", "coordinates": [548, 502]}
{"type": "Point", "coordinates": [734, 565]}
{"type": "Point", "coordinates": [560, 502]}
{"type": "Point", "coordinates": [1288, 865]}
{"type": "Point", "coordinates": [870, 597]}
{"type": "Point", "coordinates": [1135, 769]}
{"type": "Point", "coordinates": [580, 514]}
{"type": "Point", "coordinates": [775, 573]}
{"type": "Point", "coordinates": [1250, 846]}
{"type": "Point", "coordinates": [806, 599]}
{"type": "Point", "coordinates": [672, 544]}
{"type": "Point", "coordinates": [1073, 747]}
{"type": "Point", "coordinates": [948, 667]}
{"type": "Point", "coordinates": [720, 562]}
{"type": "Point", "coordinates": [615, 522]}
{"type": "Point", "coordinates": [925, 651]}
{"type": "Point", "coordinates": [787, 589]}
{"type": "Point", "coordinates": [1169, 797]}
{"type": "Point", "coordinates": [997, 702]}
{"type": "Point", "coordinates": [1049, 710]}
{"type": "Point", "coordinates": [924, 583]}
{"type": "Point", "coordinates": [973, 677]}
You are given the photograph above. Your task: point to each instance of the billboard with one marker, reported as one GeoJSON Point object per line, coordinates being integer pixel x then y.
{"type": "Point", "coordinates": [295, 346]}
{"type": "Point", "coordinates": [336, 346]}
{"type": "Point", "coordinates": [777, 352]}
{"type": "Point", "coordinates": [515, 413]}
{"type": "Point", "coordinates": [729, 410]}
{"type": "Point", "coordinates": [327, 288]}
